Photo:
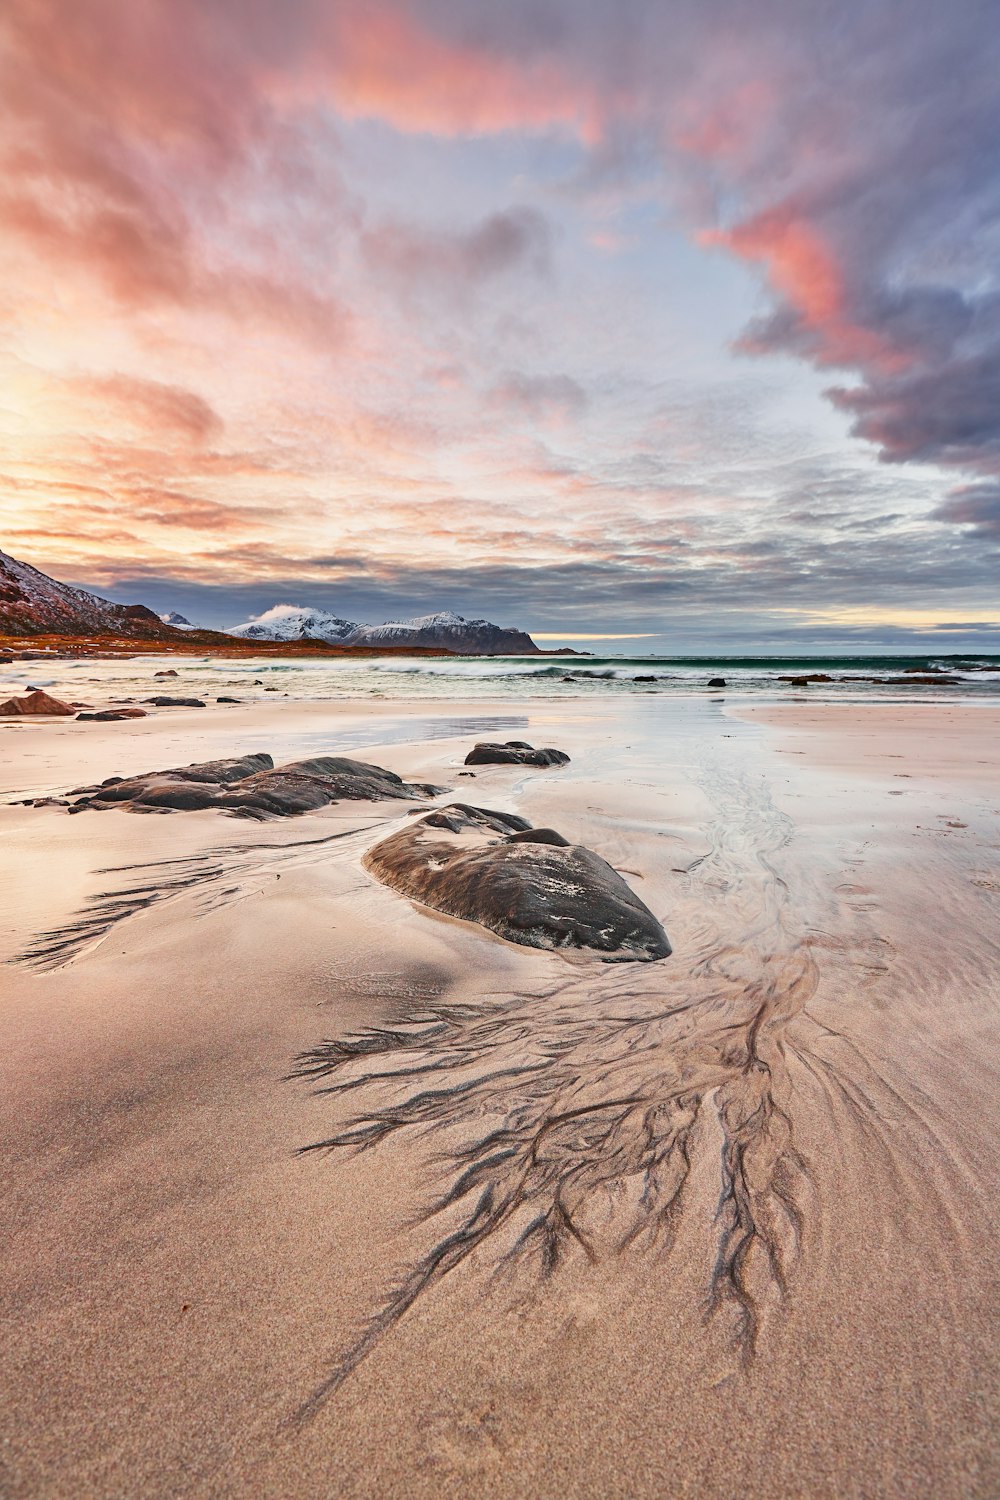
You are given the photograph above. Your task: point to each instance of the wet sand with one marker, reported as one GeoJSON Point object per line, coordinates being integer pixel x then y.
{"type": "Point", "coordinates": [721, 1225]}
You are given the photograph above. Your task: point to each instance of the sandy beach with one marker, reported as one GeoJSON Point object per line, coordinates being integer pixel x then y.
{"type": "Point", "coordinates": [723, 1224]}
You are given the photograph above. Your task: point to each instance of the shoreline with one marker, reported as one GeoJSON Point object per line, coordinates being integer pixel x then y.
{"type": "Point", "coordinates": [184, 1282]}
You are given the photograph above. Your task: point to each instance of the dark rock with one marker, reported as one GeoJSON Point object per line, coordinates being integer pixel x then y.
{"type": "Point", "coordinates": [717, 682]}
{"type": "Point", "coordinates": [539, 836]}
{"type": "Point", "coordinates": [514, 753]}
{"type": "Point", "coordinates": [938, 679]}
{"type": "Point", "coordinates": [169, 672]}
{"type": "Point", "coordinates": [250, 786]}
{"type": "Point", "coordinates": [649, 679]}
{"type": "Point", "coordinates": [807, 678]}
{"type": "Point", "coordinates": [35, 702]}
{"type": "Point", "coordinates": [527, 884]}
{"type": "Point", "coordinates": [228, 700]}
{"type": "Point", "coordinates": [163, 702]}
{"type": "Point", "coordinates": [111, 715]}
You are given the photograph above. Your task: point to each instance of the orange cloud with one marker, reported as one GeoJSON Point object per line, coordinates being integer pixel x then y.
{"type": "Point", "coordinates": [165, 410]}
{"type": "Point", "coordinates": [804, 271]}
{"type": "Point", "coordinates": [383, 63]}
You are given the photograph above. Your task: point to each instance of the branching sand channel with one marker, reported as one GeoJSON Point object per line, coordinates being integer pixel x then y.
{"type": "Point", "coordinates": [217, 877]}
{"type": "Point", "coordinates": [559, 1125]}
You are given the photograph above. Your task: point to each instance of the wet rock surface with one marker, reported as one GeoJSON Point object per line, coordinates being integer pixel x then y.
{"type": "Point", "coordinates": [163, 701]}
{"type": "Point", "coordinates": [529, 885]}
{"type": "Point", "coordinates": [251, 786]}
{"type": "Point", "coordinates": [112, 715]}
{"type": "Point", "coordinates": [514, 753]}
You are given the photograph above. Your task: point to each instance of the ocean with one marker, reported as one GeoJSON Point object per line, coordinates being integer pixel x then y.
{"type": "Point", "coordinates": [885, 678]}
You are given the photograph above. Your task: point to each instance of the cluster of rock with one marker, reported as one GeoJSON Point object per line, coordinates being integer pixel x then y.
{"type": "Point", "coordinates": [529, 885]}
{"type": "Point", "coordinates": [251, 786]}
{"type": "Point", "coordinates": [914, 676]}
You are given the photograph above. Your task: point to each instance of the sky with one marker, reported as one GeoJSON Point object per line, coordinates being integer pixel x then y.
{"type": "Point", "coordinates": [675, 319]}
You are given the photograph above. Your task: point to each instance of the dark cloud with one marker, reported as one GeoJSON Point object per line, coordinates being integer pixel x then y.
{"type": "Point", "coordinates": [648, 584]}
{"type": "Point", "coordinates": [947, 412]}
{"type": "Point", "coordinates": [975, 505]}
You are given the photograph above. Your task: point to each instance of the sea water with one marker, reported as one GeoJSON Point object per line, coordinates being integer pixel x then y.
{"type": "Point", "coordinates": [503, 677]}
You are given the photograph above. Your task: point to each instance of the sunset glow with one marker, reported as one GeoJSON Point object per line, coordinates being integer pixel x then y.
{"type": "Point", "coordinates": [612, 330]}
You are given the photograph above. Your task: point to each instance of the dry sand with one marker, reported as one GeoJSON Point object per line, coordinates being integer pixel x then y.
{"type": "Point", "coordinates": [720, 1226]}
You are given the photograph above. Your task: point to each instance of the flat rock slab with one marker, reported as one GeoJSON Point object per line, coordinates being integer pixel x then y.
{"type": "Point", "coordinates": [514, 753]}
{"type": "Point", "coordinates": [530, 885]}
{"type": "Point", "coordinates": [251, 786]}
{"type": "Point", "coordinates": [162, 701]}
{"type": "Point", "coordinates": [35, 702]}
{"type": "Point", "coordinates": [112, 715]}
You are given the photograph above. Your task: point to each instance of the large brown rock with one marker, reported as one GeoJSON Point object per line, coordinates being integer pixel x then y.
{"type": "Point", "coordinates": [251, 786]}
{"type": "Point", "coordinates": [37, 702]}
{"type": "Point", "coordinates": [530, 885]}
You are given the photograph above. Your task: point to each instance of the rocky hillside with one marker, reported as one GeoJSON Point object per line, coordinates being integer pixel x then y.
{"type": "Point", "coordinates": [32, 603]}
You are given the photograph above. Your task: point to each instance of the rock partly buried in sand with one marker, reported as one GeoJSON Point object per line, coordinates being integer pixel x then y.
{"type": "Point", "coordinates": [164, 702]}
{"type": "Point", "coordinates": [168, 673]}
{"type": "Point", "coordinates": [514, 753]}
{"type": "Point", "coordinates": [527, 884]}
{"type": "Point", "coordinates": [251, 786]}
{"type": "Point", "coordinates": [112, 715]}
{"type": "Point", "coordinates": [35, 702]}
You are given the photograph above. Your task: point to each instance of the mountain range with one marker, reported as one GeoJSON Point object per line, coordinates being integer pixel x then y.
{"type": "Point", "coordinates": [290, 622]}
{"type": "Point", "coordinates": [32, 603]}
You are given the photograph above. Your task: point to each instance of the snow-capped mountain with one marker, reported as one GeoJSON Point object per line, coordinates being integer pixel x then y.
{"type": "Point", "coordinates": [291, 622]}
{"type": "Point", "coordinates": [178, 622]}
{"type": "Point", "coordinates": [294, 622]}
{"type": "Point", "coordinates": [454, 632]}
{"type": "Point", "coordinates": [32, 603]}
